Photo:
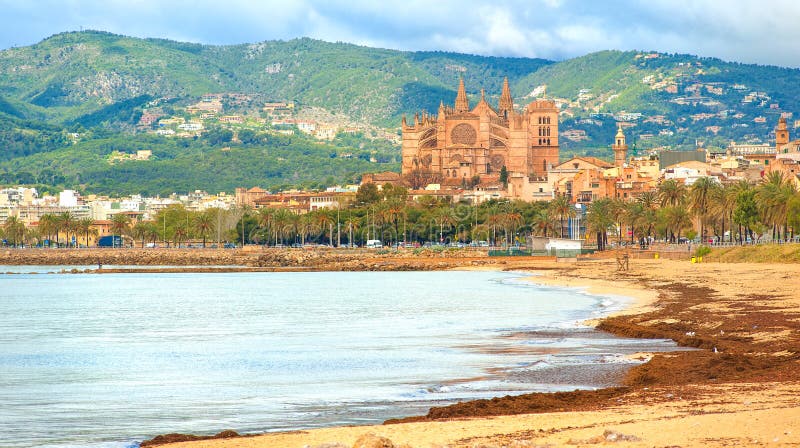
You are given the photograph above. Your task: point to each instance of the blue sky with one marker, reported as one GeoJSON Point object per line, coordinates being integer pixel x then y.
{"type": "Point", "coordinates": [763, 32]}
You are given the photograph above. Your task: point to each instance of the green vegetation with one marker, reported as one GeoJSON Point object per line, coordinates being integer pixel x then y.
{"type": "Point", "coordinates": [212, 163]}
{"type": "Point", "coordinates": [67, 102]}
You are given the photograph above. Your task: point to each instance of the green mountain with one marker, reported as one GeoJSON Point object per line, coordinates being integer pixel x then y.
{"type": "Point", "coordinates": [74, 73]}
{"type": "Point", "coordinates": [70, 105]}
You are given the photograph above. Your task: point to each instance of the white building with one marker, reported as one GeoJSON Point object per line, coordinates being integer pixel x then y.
{"type": "Point", "coordinates": [68, 198]}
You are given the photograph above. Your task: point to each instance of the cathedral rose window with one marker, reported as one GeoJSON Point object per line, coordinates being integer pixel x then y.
{"type": "Point", "coordinates": [463, 134]}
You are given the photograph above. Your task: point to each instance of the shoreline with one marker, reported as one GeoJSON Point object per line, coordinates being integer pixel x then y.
{"type": "Point", "coordinates": [742, 393]}
{"type": "Point", "coordinates": [740, 389]}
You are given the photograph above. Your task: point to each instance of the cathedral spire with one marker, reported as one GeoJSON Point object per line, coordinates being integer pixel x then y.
{"type": "Point", "coordinates": [506, 102]}
{"type": "Point", "coordinates": [462, 104]}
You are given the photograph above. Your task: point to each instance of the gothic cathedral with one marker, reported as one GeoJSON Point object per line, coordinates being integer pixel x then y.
{"type": "Point", "coordinates": [460, 143]}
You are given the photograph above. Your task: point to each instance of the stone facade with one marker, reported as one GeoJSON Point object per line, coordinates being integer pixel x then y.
{"type": "Point", "coordinates": [461, 143]}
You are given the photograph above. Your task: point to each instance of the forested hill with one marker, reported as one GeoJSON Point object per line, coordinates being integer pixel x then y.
{"type": "Point", "coordinates": [71, 103]}
{"type": "Point", "coordinates": [71, 74]}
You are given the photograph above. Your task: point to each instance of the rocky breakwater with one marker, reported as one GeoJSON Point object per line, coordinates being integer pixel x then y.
{"type": "Point", "coordinates": [123, 256]}
{"type": "Point", "coordinates": [334, 260]}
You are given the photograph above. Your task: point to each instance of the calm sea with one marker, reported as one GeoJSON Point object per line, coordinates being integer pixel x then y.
{"type": "Point", "coordinates": [108, 360]}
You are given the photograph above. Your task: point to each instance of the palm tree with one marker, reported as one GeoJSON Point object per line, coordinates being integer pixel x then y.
{"type": "Point", "coordinates": [494, 220]}
{"type": "Point", "coordinates": [394, 210]}
{"type": "Point", "coordinates": [14, 230]}
{"type": "Point", "coordinates": [649, 201]}
{"type": "Point", "coordinates": [141, 231]}
{"type": "Point", "coordinates": [678, 218]}
{"type": "Point", "coordinates": [700, 195]}
{"type": "Point", "coordinates": [636, 216]}
{"type": "Point", "coordinates": [444, 216]}
{"type": "Point", "coordinates": [511, 220]}
{"type": "Point", "coordinates": [599, 220]}
{"type": "Point", "coordinates": [282, 222]}
{"type": "Point", "coordinates": [773, 196]}
{"type": "Point", "coordinates": [617, 209]}
{"type": "Point", "coordinates": [671, 193]}
{"type": "Point", "coordinates": [322, 219]}
{"type": "Point", "coordinates": [204, 225]}
{"type": "Point", "coordinates": [152, 232]}
{"type": "Point", "coordinates": [66, 222]}
{"type": "Point", "coordinates": [543, 222]}
{"type": "Point", "coordinates": [31, 236]}
{"type": "Point", "coordinates": [84, 226]}
{"type": "Point", "coordinates": [181, 234]}
{"type": "Point", "coordinates": [47, 224]}
{"type": "Point", "coordinates": [722, 205]}
{"type": "Point", "coordinates": [352, 226]}
{"type": "Point", "coordinates": [560, 206]}
{"type": "Point", "coordinates": [120, 224]}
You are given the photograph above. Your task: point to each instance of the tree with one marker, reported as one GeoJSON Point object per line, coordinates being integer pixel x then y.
{"type": "Point", "coordinates": [368, 194]}
{"type": "Point", "coordinates": [700, 195]}
{"type": "Point", "coordinates": [511, 221]}
{"type": "Point", "coordinates": [394, 210]}
{"type": "Point", "coordinates": [66, 222]}
{"type": "Point", "coordinates": [773, 196]}
{"type": "Point", "coordinates": [444, 216]}
{"type": "Point", "coordinates": [47, 224]}
{"type": "Point", "coordinates": [120, 224]}
{"type": "Point", "coordinates": [561, 207]}
{"type": "Point", "coordinates": [793, 213]}
{"type": "Point", "coordinates": [181, 234]}
{"type": "Point", "coordinates": [722, 206]}
{"type": "Point", "coordinates": [14, 231]}
{"type": "Point", "coordinates": [204, 225]}
{"type": "Point", "coordinates": [649, 201]}
{"type": "Point", "coordinates": [84, 226]}
{"type": "Point", "coordinates": [543, 222]}
{"type": "Point", "coordinates": [745, 213]}
{"type": "Point", "coordinates": [678, 218]}
{"type": "Point", "coordinates": [599, 220]}
{"type": "Point", "coordinates": [671, 193]}
{"type": "Point", "coordinates": [503, 176]}
{"type": "Point", "coordinates": [322, 219]}
{"type": "Point", "coordinates": [418, 179]}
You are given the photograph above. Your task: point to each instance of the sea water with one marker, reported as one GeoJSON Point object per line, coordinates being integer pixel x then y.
{"type": "Point", "coordinates": [109, 360]}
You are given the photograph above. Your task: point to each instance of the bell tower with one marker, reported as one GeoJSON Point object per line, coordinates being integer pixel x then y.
{"type": "Point", "coordinates": [781, 134]}
{"type": "Point", "coordinates": [620, 148]}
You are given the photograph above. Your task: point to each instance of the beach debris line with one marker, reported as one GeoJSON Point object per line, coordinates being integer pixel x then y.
{"type": "Point", "coordinates": [176, 437]}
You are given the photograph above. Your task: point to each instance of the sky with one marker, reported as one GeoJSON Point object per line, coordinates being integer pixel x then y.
{"type": "Point", "coordinates": [750, 31]}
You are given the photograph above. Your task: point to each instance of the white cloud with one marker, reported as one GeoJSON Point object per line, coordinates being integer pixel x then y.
{"type": "Point", "coordinates": [740, 30]}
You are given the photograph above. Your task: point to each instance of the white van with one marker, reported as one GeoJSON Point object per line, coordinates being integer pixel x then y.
{"type": "Point", "coordinates": [374, 243]}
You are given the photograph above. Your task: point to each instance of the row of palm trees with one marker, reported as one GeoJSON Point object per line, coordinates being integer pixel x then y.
{"type": "Point", "coordinates": [50, 226]}
{"type": "Point", "coordinates": [739, 211]}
